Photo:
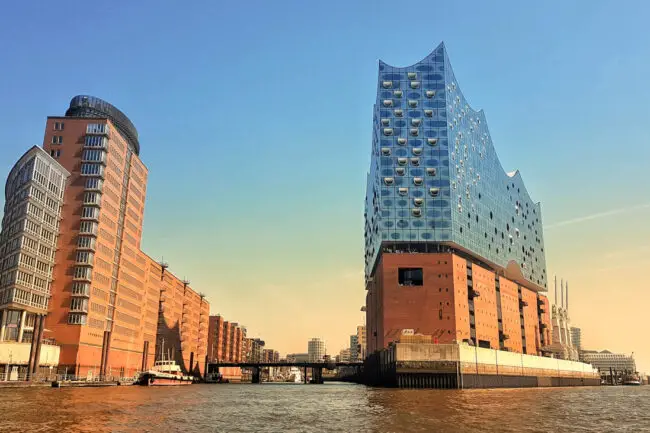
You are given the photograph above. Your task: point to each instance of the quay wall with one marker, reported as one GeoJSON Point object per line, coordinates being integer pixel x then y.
{"type": "Point", "coordinates": [417, 365]}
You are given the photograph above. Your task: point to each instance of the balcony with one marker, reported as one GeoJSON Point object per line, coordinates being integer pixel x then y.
{"type": "Point", "coordinates": [471, 294]}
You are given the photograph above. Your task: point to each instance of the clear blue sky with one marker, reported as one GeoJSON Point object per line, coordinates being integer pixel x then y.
{"type": "Point", "coordinates": [255, 124]}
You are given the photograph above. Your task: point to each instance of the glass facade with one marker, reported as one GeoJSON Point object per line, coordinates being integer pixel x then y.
{"type": "Point", "coordinates": [435, 178]}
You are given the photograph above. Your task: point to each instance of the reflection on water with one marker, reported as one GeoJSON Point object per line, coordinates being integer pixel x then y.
{"type": "Point", "coordinates": [323, 408]}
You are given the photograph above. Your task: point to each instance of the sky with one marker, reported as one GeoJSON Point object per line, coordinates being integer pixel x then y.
{"type": "Point", "coordinates": [255, 122]}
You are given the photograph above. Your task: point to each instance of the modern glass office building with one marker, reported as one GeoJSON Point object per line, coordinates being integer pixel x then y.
{"type": "Point", "coordinates": [435, 179]}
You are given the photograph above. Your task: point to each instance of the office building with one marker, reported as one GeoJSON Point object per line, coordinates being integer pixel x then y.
{"type": "Point", "coordinates": [354, 348]}
{"type": "Point", "coordinates": [606, 360]}
{"type": "Point", "coordinates": [345, 355]}
{"type": "Point", "coordinates": [106, 293]}
{"type": "Point", "coordinates": [316, 350]}
{"type": "Point", "coordinates": [453, 243]}
{"type": "Point", "coordinates": [361, 339]}
{"type": "Point", "coordinates": [576, 338]}
{"type": "Point", "coordinates": [30, 227]}
{"type": "Point", "coordinates": [226, 341]}
{"type": "Point", "coordinates": [297, 357]}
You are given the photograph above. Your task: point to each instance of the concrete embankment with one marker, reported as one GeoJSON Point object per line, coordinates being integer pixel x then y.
{"type": "Point", "coordinates": [457, 366]}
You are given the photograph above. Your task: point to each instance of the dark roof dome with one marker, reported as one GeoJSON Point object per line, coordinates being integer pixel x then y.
{"type": "Point", "coordinates": [91, 106]}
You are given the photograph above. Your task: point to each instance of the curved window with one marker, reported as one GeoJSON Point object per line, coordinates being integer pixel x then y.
{"type": "Point", "coordinates": [414, 132]}
{"type": "Point", "coordinates": [417, 181]}
{"type": "Point", "coordinates": [415, 161]}
{"type": "Point", "coordinates": [415, 84]}
{"type": "Point", "coordinates": [401, 161]}
{"type": "Point", "coordinates": [385, 122]}
{"type": "Point", "coordinates": [417, 151]}
{"type": "Point", "coordinates": [388, 102]}
{"type": "Point", "coordinates": [412, 75]}
{"type": "Point", "coordinates": [403, 191]}
{"type": "Point", "coordinates": [399, 113]}
{"type": "Point", "coordinates": [388, 131]}
{"type": "Point", "coordinates": [418, 201]}
{"type": "Point", "coordinates": [430, 93]}
{"type": "Point", "coordinates": [428, 113]}
{"type": "Point", "coordinates": [401, 141]}
{"type": "Point", "coordinates": [387, 84]}
{"type": "Point", "coordinates": [416, 122]}
{"type": "Point", "coordinates": [397, 93]}
{"type": "Point", "coordinates": [389, 180]}
{"type": "Point", "coordinates": [385, 151]}
{"type": "Point", "coordinates": [416, 212]}
{"type": "Point", "coordinates": [434, 192]}
{"type": "Point", "coordinates": [432, 141]}
{"type": "Point", "coordinates": [431, 171]}
{"type": "Point", "coordinates": [412, 103]}
{"type": "Point", "coordinates": [400, 171]}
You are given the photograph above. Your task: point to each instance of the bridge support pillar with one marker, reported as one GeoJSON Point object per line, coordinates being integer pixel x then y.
{"type": "Point", "coordinates": [255, 377]}
{"type": "Point", "coordinates": [317, 375]}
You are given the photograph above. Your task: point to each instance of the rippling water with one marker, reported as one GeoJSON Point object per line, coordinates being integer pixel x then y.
{"type": "Point", "coordinates": [323, 408]}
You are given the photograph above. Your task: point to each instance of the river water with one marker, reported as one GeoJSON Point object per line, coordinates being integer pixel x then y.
{"type": "Point", "coordinates": [323, 408]}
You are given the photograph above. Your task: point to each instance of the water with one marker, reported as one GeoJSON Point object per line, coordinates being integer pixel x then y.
{"type": "Point", "coordinates": [323, 408]}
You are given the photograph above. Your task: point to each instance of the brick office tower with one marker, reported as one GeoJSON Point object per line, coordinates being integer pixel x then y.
{"type": "Point", "coordinates": [98, 302]}
{"type": "Point", "coordinates": [453, 244]}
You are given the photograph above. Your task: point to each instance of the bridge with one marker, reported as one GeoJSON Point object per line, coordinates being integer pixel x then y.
{"type": "Point", "coordinates": [316, 368]}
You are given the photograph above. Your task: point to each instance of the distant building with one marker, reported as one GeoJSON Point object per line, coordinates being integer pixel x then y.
{"type": "Point", "coordinates": [361, 341]}
{"type": "Point", "coordinates": [316, 350]}
{"type": "Point", "coordinates": [354, 347]}
{"type": "Point", "coordinates": [297, 357]}
{"type": "Point", "coordinates": [344, 355]}
{"type": "Point", "coordinates": [225, 340]}
{"type": "Point", "coordinates": [606, 360]}
{"type": "Point", "coordinates": [576, 338]}
{"type": "Point", "coordinates": [256, 349]}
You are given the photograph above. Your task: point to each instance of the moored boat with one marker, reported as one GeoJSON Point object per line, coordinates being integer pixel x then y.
{"type": "Point", "coordinates": [164, 373]}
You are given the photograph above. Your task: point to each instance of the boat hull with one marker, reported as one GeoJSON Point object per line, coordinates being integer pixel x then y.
{"type": "Point", "coordinates": [156, 380]}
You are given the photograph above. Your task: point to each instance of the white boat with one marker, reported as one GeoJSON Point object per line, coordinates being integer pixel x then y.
{"type": "Point", "coordinates": [164, 373]}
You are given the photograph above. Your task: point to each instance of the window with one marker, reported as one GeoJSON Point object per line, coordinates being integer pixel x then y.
{"type": "Point", "coordinates": [412, 103]}
{"type": "Point", "coordinates": [95, 141]}
{"type": "Point", "coordinates": [76, 319]}
{"type": "Point", "coordinates": [55, 153]}
{"type": "Point", "coordinates": [401, 141]}
{"type": "Point", "coordinates": [415, 161]}
{"type": "Point", "coordinates": [412, 75]}
{"type": "Point", "coordinates": [432, 141]}
{"type": "Point", "coordinates": [417, 151]}
{"type": "Point", "coordinates": [86, 242]}
{"type": "Point", "coordinates": [92, 198]}
{"type": "Point", "coordinates": [58, 126]}
{"type": "Point", "coordinates": [410, 277]}
{"type": "Point", "coordinates": [388, 102]}
{"type": "Point", "coordinates": [387, 84]}
{"type": "Point", "coordinates": [400, 171]}
{"type": "Point", "coordinates": [93, 155]}
{"type": "Point", "coordinates": [428, 113]}
{"type": "Point", "coordinates": [94, 183]}
{"type": "Point", "coordinates": [418, 201]}
{"type": "Point", "coordinates": [88, 227]}
{"type": "Point", "coordinates": [417, 181]}
{"type": "Point", "coordinates": [397, 93]}
{"type": "Point", "coordinates": [83, 273]}
{"type": "Point", "coordinates": [399, 113]}
{"type": "Point", "coordinates": [388, 181]}
{"type": "Point", "coordinates": [388, 131]}
{"type": "Point", "coordinates": [430, 93]}
{"type": "Point", "coordinates": [90, 212]}
{"type": "Point", "coordinates": [431, 171]}
{"type": "Point", "coordinates": [92, 169]}
{"type": "Point", "coordinates": [57, 139]}
{"type": "Point", "coordinates": [401, 161]}
{"type": "Point", "coordinates": [385, 151]}
{"type": "Point", "coordinates": [434, 192]}
{"type": "Point", "coordinates": [97, 128]}
{"type": "Point", "coordinates": [415, 84]}
{"type": "Point", "coordinates": [85, 257]}
{"type": "Point", "coordinates": [416, 122]}
{"type": "Point", "coordinates": [385, 122]}
{"type": "Point", "coordinates": [403, 191]}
